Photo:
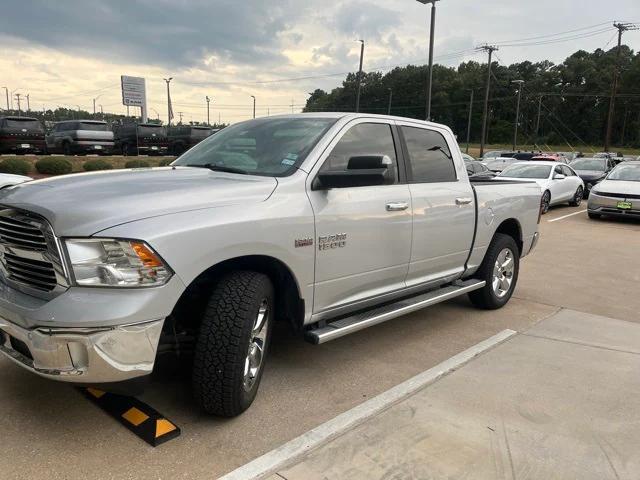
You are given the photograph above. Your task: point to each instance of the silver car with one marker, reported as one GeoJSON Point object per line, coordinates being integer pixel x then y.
{"type": "Point", "coordinates": [618, 194]}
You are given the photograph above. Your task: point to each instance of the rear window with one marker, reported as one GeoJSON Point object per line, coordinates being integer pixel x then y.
{"type": "Point", "coordinates": [96, 127]}
{"type": "Point", "coordinates": [147, 130]}
{"type": "Point", "coordinates": [29, 124]}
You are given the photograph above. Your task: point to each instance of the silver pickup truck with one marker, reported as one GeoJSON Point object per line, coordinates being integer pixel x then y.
{"type": "Point", "coordinates": [330, 223]}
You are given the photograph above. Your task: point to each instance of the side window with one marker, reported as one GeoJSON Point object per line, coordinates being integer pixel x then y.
{"type": "Point", "coordinates": [364, 139]}
{"type": "Point", "coordinates": [558, 170]}
{"type": "Point", "coordinates": [429, 156]}
{"type": "Point", "coordinates": [568, 172]}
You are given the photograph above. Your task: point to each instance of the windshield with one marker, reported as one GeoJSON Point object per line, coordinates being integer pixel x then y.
{"type": "Point", "coordinates": [526, 171]}
{"type": "Point", "coordinates": [30, 124]}
{"type": "Point", "coordinates": [270, 147]}
{"type": "Point", "coordinates": [148, 130]}
{"type": "Point", "coordinates": [629, 173]}
{"type": "Point", "coordinates": [590, 164]}
{"type": "Point", "coordinates": [96, 127]}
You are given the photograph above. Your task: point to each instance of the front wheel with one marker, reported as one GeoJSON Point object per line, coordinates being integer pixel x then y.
{"type": "Point", "coordinates": [577, 197]}
{"type": "Point", "coordinates": [546, 201]}
{"type": "Point", "coordinates": [499, 270]}
{"type": "Point", "coordinates": [232, 343]}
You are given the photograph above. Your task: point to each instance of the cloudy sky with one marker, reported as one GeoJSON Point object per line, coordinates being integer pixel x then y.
{"type": "Point", "coordinates": [67, 52]}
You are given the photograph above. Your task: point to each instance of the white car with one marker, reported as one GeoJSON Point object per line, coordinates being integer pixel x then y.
{"type": "Point", "coordinates": [9, 179]}
{"type": "Point", "coordinates": [559, 183]}
{"type": "Point", "coordinates": [500, 163]}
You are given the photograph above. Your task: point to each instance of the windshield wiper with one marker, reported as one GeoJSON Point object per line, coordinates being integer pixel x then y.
{"type": "Point", "coordinates": [220, 168]}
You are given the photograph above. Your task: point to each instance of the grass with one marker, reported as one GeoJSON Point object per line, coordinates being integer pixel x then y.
{"type": "Point", "coordinates": [474, 149]}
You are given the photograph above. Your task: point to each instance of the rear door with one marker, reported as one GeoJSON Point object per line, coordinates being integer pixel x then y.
{"type": "Point", "coordinates": [443, 205]}
{"type": "Point", "coordinates": [363, 234]}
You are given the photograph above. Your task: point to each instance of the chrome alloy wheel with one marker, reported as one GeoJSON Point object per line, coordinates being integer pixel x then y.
{"type": "Point", "coordinates": [257, 343]}
{"type": "Point", "coordinates": [503, 273]}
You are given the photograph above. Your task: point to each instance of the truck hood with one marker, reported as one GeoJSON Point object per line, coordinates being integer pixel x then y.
{"type": "Point", "coordinates": [84, 204]}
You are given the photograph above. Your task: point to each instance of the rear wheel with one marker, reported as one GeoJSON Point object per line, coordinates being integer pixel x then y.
{"type": "Point", "coordinates": [66, 148]}
{"type": "Point", "coordinates": [546, 201]}
{"type": "Point", "coordinates": [499, 270]}
{"type": "Point", "coordinates": [577, 197]}
{"type": "Point", "coordinates": [232, 343]}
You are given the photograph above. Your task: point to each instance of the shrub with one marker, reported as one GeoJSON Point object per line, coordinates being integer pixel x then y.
{"type": "Point", "coordinates": [15, 165]}
{"type": "Point", "coordinates": [95, 165]}
{"type": "Point", "coordinates": [165, 162]}
{"type": "Point", "coordinates": [53, 166]}
{"type": "Point", "coordinates": [136, 164]}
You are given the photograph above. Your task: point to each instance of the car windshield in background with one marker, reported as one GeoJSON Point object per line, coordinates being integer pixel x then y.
{"type": "Point", "coordinates": [589, 164]}
{"type": "Point", "coordinates": [269, 147]}
{"type": "Point", "coordinates": [95, 127]}
{"type": "Point", "coordinates": [201, 132]}
{"type": "Point", "coordinates": [630, 173]}
{"type": "Point", "coordinates": [146, 130]}
{"type": "Point", "coordinates": [29, 124]}
{"type": "Point", "coordinates": [526, 171]}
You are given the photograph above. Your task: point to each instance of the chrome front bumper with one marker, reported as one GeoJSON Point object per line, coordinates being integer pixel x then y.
{"type": "Point", "coordinates": [83, 355]}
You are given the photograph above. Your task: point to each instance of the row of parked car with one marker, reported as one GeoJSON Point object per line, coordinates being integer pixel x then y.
{"type": "Point", "coordinates": [80, 137]}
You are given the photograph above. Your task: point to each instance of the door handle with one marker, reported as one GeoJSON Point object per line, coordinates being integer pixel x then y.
{"type": "Point", "coordinates": [397, 206]}
{"type": "Point", "coordinates": [463, 201]}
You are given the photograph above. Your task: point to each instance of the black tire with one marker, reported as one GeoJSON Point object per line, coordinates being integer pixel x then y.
{"type": "Point", "coordinates": [124, 150]}
{"type": "Point", "coordinates": [66, 149]}
{"type": "Point", "coordinates": [577, 197]}
{"type": "Point", "coordinates": [223, 342]}
{"type": "Point", "coordinates": [594, 216]}
{"type": "Point", "coordinates": [546, 200]}
{"type": "Point", "coordinates": [486, 297]}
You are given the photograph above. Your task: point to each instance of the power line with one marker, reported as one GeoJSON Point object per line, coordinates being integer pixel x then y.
{"type": "Point", "coordinates": [553, 34]}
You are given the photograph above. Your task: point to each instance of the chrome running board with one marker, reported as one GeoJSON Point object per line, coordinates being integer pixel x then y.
{"type": "Point", "coordinates": [360, 321]}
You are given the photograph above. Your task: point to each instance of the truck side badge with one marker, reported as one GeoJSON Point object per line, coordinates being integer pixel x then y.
{"type": "Point", "coordinates": [329, 242]}
{"type": "Point", "coordinates": [303, 242]}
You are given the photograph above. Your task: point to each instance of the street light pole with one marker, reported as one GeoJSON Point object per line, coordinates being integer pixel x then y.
{"type": "Point", "coordinates": [431, 39]}
{"type": "Point", "coordinates": [359, 80]}
{"type": "Point", "coordinates": [254, 105]}
{"type": "Point", "coordinates": [7, 93]}
{"type": "Point", "coordinates": [28, 104]}
{"type": "Point", "coordinates": [208, 117]}
{"type": "Point", "coordinates": [390, 98]}
{"type": "Point", "coordinates": [18, 100]}
{"type": "Point", "coordinates": [469, 121]}
{"type": "Point", "coordinates": [520, 84]}
{"type": "Point", "coordinates": [169, 111]}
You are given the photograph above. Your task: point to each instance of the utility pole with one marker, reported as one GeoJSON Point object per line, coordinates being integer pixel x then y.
{"type": "Point", "coordinates": [390, 99]}
{"type": "Point", "coordinates": [359, 80]}
{"type": "Point", "coordinates": [538, 119]}
{"type": "Point", "coordinates": [169, 109]}
{"type": "Point", "coordinates": [254, 105]}
{"type": "Point", "coordinates": [208, 118]}
{"type": "Point", "coordinates": [101, 110]}
{"type": "Point", "coordinates": [28, 104]}
{"type": "Point", "coordinates": [622, 27]}
{"type": "Point", "coordinates": [180, 113]}
{"type": "Point", "coordinates": [431, 38]}
{"type": "Point", "coordinates": [7, 92]}
{"type": "Point", "coordinates": [469, 121]}
{"type": "Point", "coordinates": [490, 49]}
{"type": "Point", "coordinates": [18, 100]}
{"type": "Point", "coordinates": [520, 84]}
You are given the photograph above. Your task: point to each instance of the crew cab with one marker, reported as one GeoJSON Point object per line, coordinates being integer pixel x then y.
{"type": "Point", "coordinates": [80, 137]}
{"type": "Point", "coordinates": [183, 137]}
{"type": "Point", "coordinates": [143, 138]}
{"type": "Point", "coordinates": [329, 222]}
{"type": "Point", "coordinates": [21, 135]}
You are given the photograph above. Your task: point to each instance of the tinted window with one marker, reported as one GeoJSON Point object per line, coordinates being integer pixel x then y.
{"type": "Point", "coordinates": [96, 127]}
{"type": "Point", "coordinates": [429, 155]}
{"type": "Point", "coordinates": [29, 124]}
{"type": "Point", "coordinates": [363, 139]}
{"type": "Point", "coordinates": [567, 171]}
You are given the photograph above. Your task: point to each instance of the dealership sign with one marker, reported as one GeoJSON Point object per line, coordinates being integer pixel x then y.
{"type": "Point", "coordinates": [134, 93]}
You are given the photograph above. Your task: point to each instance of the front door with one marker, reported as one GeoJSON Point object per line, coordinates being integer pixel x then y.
{"type": "Point", "coordinates": [363, 234]}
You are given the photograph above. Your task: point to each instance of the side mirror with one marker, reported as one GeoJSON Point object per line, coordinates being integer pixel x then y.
{"type": "Point", "coordinates": [559, 176]}
{"type": "Point", "coordinates": [362, 171]}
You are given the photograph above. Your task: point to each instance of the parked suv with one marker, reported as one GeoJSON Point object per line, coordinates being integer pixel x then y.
{"type": "Point", "coordinates": [183, 137]}
{"type": "Point", "coordinates": [143, 138]}
{"type": "Point", "coordinates": [21, 135]}
{"type": "Point", "coordinates": [80, 137]}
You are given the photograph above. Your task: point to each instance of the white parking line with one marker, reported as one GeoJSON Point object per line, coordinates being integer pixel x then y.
{"type": "Point", "coordinates": [565, 216]}
{"type": "Point", "coordinates": [270, 462]}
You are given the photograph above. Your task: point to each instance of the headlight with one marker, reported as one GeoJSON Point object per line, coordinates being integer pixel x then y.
{"type": "Point", "coordinates": [105, 262]}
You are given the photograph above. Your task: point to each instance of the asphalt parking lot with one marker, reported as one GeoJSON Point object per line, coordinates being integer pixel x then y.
{"type": "Point", "coordinates": [50, 430]}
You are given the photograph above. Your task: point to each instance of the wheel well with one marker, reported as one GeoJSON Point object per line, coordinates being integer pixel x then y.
{"type": "Point", "coordinates": [289, 304]}
{"type": "Point", "coordinates": [512, 228]}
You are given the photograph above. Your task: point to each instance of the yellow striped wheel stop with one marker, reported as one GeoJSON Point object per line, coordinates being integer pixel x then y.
{"type": "Point", "coordinates": [137, 416]}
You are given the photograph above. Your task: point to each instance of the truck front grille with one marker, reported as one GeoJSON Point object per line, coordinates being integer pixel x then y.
{"type": "Point", "coordinates": [29, 256]}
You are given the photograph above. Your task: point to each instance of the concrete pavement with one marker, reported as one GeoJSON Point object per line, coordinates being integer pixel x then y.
{"type": "Point", "coordinates": [556, 402]}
